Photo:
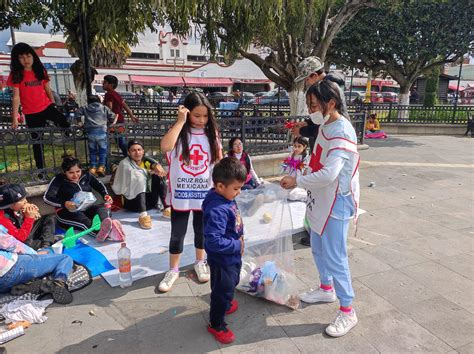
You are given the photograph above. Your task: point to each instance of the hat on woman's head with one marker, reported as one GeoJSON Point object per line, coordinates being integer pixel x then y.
{"type": "Point", "coordinates": [134, 142]}
{"type": "Point", "coordinates": [10, 194]}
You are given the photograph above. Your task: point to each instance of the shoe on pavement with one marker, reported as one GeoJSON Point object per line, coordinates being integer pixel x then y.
{"type": "Point", "coordinates": [167, 283]}
{"type": "Point", "coordinates": [145, 222]}
{"type": "Point", "coordinates": [223, 335]}
{"type": "Point", "coordinates": [202, 271]}
{"type": "Point", "coordinates": [318, 295]}
{"type": "Point", "coordinates": [343, 323]}
{"type": "Point", "coordinates": [93, 171]}
{"type": "Point", "coordinates": [234, 306]}
{"type": "Point", "coordinates": [167, 212]}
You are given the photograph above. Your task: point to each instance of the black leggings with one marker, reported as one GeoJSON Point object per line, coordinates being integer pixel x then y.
{"type": "Point", "coordinates": [146, 201]}
{"type": "Point", "coordinates": [38, 120]}
{"type": "Point", "coordinates": [81, 219]}
{"type": "Point", "coordinates": [179, 226]}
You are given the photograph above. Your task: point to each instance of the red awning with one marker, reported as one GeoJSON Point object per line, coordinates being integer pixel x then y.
{"type": "Point", "coordinates": [165, 81]}
{"type": "Point", "coordinates": [455, 87]}
{"type": "Point", "coordinates": [207, 82]}
{"type": "Point", "coordinates": [252, 81]}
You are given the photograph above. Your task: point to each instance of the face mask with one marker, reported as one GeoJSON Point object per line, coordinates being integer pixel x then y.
{"type": "Point", "coordinates": [318, 118]}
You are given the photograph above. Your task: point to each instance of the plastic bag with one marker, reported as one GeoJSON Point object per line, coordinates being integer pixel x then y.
{"type": "Point", "coordinates": [268, 269]}
{"type": "Point", "coordinates": [83, 200]}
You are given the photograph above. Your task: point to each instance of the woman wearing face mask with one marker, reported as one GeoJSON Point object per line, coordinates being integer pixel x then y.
{"type": "Point", "coordinates": [334, 184]}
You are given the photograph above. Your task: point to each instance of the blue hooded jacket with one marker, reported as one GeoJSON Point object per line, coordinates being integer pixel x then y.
{"type": "Point", "coordinates": [222, 229]}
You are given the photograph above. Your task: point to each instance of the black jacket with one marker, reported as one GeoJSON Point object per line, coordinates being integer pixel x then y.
{"type": "Point", "coordinates": [61, 190]}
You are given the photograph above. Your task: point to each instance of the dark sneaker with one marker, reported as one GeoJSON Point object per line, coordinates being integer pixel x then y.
{"type": "Point", "coordinates": [60, 292]}
{"type": "Point", "coordinates": [56, 288]}
{"type": "Point", "coordinates": [234, 306]}
{"type": "Point", "coordinates": [223, 335]}
{"type": "Point", "coordinates": [306, 241]}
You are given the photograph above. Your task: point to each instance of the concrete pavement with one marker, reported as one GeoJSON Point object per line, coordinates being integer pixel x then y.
{"type": "Point", "coordinates": [411, 260]}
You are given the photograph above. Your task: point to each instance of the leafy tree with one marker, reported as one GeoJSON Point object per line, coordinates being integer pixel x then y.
{"type": "Point", "coordinates": [406, 40]}
{"type": "Point", "coordinates": [283, 32]}
{"type": "Point", "coordinates": [112, 26]}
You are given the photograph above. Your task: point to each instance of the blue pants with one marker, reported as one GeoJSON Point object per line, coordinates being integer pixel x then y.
{"type": "Point", "coordinates": [30, 266]}
{"type": "Point", "coordinates": [330, 256]}
{"type": "Point", "coordinates": [97, 143]}
{"type": "Point", "coordinates": [122, 143]}
{"type": "Point", "coordinates": [224, 279]}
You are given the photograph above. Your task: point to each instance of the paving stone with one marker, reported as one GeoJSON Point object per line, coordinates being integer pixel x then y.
{"type": "Point", "coordinates": [396, 258]}
{"type": "Point", "coordinates": [443, 318]}
{"type": "Point", "coordinates": [445, 282]}
{"type": "Point", "coordinates": [397, 288]}
{"type": "Point", "coordinates": [394, 332]}
{"type": "Point", "coordinates": [462, 264]}
{"type": "Point", "coordinates": [362, 263]}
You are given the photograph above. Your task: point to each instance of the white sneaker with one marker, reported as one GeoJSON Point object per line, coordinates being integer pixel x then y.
{"type": "Point", "coordinates": [343, 323]}
{"type": "Point", "coordinates": [202, 271]}
{"type": "Point", "coordinates": [168, 281]}
{"type": "Point", "coordinates": [318, 295]}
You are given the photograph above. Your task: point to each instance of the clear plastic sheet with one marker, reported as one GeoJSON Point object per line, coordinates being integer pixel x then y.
{"type": "Point", "coordinates": [268, 269]}
{"type": "Point", "coordinates": [83, 200]}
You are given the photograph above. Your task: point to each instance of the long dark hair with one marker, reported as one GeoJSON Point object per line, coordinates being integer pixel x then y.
{"type": "Point", "coordinates": [17, 69]}
{"type": "Point", "coordinates": [325, 91]}
{"type": "Point", "coordinates": [191, 101]}
{"type": "Point", "coordinates": [303, 141]}
{"type": "Point", "coordinates": [231, 152]}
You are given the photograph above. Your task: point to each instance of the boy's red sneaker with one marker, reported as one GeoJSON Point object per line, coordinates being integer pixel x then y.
{"type": "Point", "coordinates": [234, 306]}
{"type": "Point", "coordinates": [223, 335]}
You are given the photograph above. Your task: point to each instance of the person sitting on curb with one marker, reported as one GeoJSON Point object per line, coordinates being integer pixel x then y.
{"type": "Point", "coordinates": [23, 220]}
{"type": "Point", "coordinates": [140, 181]}
{"type": "Point", "coordinates": [22, 269]}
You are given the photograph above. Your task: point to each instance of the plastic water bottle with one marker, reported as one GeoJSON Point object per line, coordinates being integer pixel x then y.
{"type": "Point", "coordinates": [125, 266]}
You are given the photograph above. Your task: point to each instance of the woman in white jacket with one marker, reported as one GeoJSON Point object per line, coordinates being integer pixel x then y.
{"type": "Point", "coordinates": [333, 195]}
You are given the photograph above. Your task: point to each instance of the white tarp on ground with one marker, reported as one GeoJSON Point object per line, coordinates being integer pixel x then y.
{"type": "Point", "coordinates": [149, 248]}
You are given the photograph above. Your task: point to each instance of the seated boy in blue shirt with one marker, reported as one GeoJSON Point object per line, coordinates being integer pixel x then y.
{"type": "Point", "coordinates": [224, 243]}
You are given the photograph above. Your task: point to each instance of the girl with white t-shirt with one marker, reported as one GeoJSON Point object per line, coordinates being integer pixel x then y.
{"type": "Point", "coordinates": [192, 148]}
{"type": "Point", "coordinates": [333, 197]}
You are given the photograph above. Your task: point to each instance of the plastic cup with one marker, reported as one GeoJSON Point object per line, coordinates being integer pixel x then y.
{"type": "Point", "coordinates": [58, 247]}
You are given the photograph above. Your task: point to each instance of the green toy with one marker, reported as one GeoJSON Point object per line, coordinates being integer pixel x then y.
{"type": "Point", "coordinates": [70, 238]}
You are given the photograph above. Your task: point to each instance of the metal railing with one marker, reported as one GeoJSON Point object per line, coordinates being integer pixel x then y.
{"type": "Point", "coordinates": [261, 135]}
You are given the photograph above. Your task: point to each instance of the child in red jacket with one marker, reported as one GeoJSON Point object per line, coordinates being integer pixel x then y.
{"type": "Point", "coordinates": [23, 220]}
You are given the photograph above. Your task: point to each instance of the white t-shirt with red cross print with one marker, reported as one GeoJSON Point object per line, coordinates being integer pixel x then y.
{"type": "Point", "coordinates": [188, 184]}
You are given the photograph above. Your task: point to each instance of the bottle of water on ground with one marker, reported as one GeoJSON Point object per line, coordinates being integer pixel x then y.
{"type": "Point", "coordinates": [125, 266]}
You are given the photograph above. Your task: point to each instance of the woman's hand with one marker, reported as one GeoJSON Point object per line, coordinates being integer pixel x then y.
{"type": "Point", "coordinates": [108, 199]}
{"type": "Point", "coordinates": [288, 182]}
{"type": "Point", "coordinates": [159, 170]}
{"type": "Point", "coordinates": [182, 114]}
{"type": "Point", "coordinates": [70, 205]}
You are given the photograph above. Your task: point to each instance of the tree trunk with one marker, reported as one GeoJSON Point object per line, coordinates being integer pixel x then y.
{"type": "Point", "coordinates": [298, 100]}
{"type": "Point", "coordinates": [77, 71]}
{"type": "Point", "coordinates": [403, 112]}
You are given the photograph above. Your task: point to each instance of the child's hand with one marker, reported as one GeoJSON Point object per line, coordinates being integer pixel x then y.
{"type": "Point", "coordinates": [70, 205]}
{"type": "Point", "coordinates": [182, 114]}
{"type": "Point", "coordinates": [288, 182]}
{"type": "Point", "coordinates": [134, 119]}
{"type": "Point", "coordinates": [242, 245]}
{"type": "Point", "coordinates": [108, 199]}
{"type": "Point", "coordinates": [29, 211]}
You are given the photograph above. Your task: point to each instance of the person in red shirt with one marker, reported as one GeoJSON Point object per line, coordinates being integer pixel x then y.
{"type": "Point", "coordinates": [23, 220]}
{"type": "Point", "coordinates": [116, 103]}
{"type": "Point", "coordinates": [30, 83]}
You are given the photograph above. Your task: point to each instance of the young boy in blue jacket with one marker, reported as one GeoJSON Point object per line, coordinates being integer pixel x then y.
{"type": "Point", "coordinates": [224, 243]}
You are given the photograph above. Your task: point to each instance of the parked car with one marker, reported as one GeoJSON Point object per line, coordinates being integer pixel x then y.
{"type": "Point", "coordinates": [247, 97]}
{"type": "Point", "coordinates": [272, 98]}
{"type": "Point", "coordinates": [376, 97]}
{"type": "Point", "coordinates": [217, 97]}
{"type": "Point", "coordinates": [354, 96]}
{"type": "Point", "coordinates": [390, 97]}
